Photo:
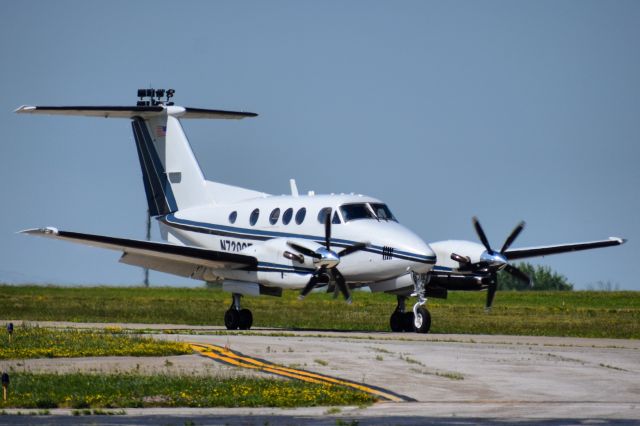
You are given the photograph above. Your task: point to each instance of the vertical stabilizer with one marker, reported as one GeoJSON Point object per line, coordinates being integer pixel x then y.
{"type": "Point", "coordinates": [170, 172]}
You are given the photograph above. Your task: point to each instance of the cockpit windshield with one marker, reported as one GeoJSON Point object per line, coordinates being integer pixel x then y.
{"type": "Point", "coordinates": [356, 211]}
{"type": "Point", "coordinates": [382, 212]}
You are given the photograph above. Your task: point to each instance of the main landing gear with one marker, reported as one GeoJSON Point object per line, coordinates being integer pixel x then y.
{"type": "Point", "coordinates": [418, 319]}
{"type": "Point", "coordinates": [236, 317]}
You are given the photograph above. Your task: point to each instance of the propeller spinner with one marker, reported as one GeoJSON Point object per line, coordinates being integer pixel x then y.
{"type": "Point", "coordinates": [493, 261]}
{"type": "Point", "coordinates": [326, 261]}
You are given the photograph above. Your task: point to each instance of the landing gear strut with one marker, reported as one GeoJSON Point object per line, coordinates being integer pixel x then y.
{"type": "Point", "coordinates": [421, 316]}
{"type": "Point", "coordinates": [236, 317]}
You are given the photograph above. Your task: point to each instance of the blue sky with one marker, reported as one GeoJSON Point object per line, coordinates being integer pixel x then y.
{"type": "Point", "coordinates": [505, 110]}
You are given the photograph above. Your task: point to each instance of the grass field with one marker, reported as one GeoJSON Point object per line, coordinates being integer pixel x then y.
{"type": "Point", "coordinates": [83, 391]}
{"type": "Point", "coordinates": [579, 314]}
{"type": "Point", "coordinates": [36, 342]}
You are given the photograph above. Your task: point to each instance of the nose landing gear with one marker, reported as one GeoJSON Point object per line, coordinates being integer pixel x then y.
{"type": "Point", "coordinates": [236, 317]}
{"type": "Point", "coordinates": [419, 318]}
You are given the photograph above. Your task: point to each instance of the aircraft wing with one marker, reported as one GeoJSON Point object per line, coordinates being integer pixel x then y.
{"type": "Point", "coordinates": [154, 250]}
{"type": "Point", "coordinates": [523, 253]}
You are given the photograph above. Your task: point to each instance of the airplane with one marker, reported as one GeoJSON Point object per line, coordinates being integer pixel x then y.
{"type": "Point", "coordinates": [259, 244]}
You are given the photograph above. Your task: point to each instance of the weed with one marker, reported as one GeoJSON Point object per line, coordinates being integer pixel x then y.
{"type": "Point", "coordinates": [333, 410]}
{"type": "Point", "coordinates": [379, 349]}
{"type": "Point", "coordinates": [379, 358]}
{"type": "Point", "coordinates": [321, 362]}
{"type": "Point", "coordinates": [450, 375]}
{"type": "Point", "coordinates": [446, 374]}
{"type": "Point", "coordinates": [612, 367]}
{"type": "Point", "coordinates": [410, 360]}
{"type": "Point", "coordinates": [340, 422]}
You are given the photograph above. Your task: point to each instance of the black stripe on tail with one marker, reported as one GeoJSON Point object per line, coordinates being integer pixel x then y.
{"type": "Point", "coordinates": [156, 185]}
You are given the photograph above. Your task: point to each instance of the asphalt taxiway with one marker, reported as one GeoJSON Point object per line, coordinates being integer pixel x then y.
{"type": "Point", "coordinates": [454, 379]}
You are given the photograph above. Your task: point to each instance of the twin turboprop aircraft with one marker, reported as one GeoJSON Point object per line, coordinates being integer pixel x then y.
{"type": "Point", "coordinates": [259, 244]}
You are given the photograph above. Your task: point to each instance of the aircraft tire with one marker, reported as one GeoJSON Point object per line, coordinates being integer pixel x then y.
{"type": "Point", "coordinates": [407, 321]}
{"type": "Point", "coordinates": [396, 322]}
{"type": "Point", "coordinates": [246, 319]}
{"type": "Point", "coordinates": [422, 321]}
{"type": "Point", "coordinates": [232, 319]}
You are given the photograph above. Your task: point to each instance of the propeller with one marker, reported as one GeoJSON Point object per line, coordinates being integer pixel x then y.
{"type": "Point", "coordinates": [492, 261]}
{"type": "Point", "coordinates": [326, 261]}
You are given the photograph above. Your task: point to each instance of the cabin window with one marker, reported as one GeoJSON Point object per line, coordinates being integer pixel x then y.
{"type": "Point", "coordinates": [356, 211]}
{"type": "Point", "coordinates": [287, 215]}
{"type": "Point", "coordinates": [254, 216]}
{"type": "Point", "coordinates": [233, 216]}
{"type": "Point", "coordinates": [300, 215]}
{"type": "Point", "coordinates": [383, 212]}
{"type": "Point", "coordinates": [322, 214]}
{"type": "Point", "coordinates": [273, 217]}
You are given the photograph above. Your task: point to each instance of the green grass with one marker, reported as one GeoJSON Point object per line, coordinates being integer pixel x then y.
{"type": "Point", "coordinates": [84, 391]}
{"type": "Point", "coordinates": [580, 314]}
{"type": "Point", "coordinates": [37, 342]}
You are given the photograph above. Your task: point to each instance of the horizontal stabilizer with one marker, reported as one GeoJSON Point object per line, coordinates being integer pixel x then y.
{"type": "Point", "coordinates": [522, 253]}
{"type": "Point", "coordinates": [135, 111]}
{"type": "Point", "coordinates": [150, 249]}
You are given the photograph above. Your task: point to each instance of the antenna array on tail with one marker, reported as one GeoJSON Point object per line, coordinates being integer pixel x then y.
{"type": "Point", "coordinates": [149, 97]}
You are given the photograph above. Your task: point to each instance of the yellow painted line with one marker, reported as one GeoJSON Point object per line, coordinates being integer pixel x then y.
{"type": "Point", "coordinates": [230, 357]}
{"type": "Point", "coordinates": [266, 368]}
{"type": "Point", "coordinates": [309, 375]}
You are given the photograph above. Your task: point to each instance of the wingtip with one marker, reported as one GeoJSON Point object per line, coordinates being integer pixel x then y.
{"type": "Point", "coordinates": [618, 239]}
{"type": "Point", "coordinates": [40, 231]}
{"type": "Point", "coordinates": [24, 108]}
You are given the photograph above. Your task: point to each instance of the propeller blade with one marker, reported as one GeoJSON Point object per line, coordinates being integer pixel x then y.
{"type": "Point", "coordinates": [491, 292]}
{"type": "Point", "coordinates": [481, 234]}
{"type": "Point", "coordinates": [303, 250]}
{"type": "Point", "coordinates": [514, 234]}
{"type": "Point", "coordinates": [352, 249]}
{"type": "Point", "coordinates": [327, 230]}
{"type": "Point", "coordinates": [517, 273]}
{"type": "Point", "coordinates": [336, 290]}
{"type": "Point", "coordinates": [341, 284]}
{"type": "Point", "coordinates": [310, 286]}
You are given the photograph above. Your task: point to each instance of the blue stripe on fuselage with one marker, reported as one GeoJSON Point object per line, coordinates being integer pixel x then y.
{"type": "Point", "coordinates": [255, 234]}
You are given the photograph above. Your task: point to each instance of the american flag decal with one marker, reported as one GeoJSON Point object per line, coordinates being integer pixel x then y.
{"type": "Point", "coordinates": [161, 131]}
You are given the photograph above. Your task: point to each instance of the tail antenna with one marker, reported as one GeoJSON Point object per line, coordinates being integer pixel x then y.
{"type": "Point", "coordinates": [153, 97]}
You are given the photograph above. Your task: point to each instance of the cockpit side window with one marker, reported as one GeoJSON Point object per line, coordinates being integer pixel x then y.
{"type": "Point", "coordinates": [356, 211]}
{"type": "Point", "coordinates": [336, 219]}
{"type": "Point", "coordinates": [383, 212]}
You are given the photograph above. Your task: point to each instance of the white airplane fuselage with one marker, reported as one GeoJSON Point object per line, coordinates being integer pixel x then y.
{"type": "Point", "coordinates": [393, 250]}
